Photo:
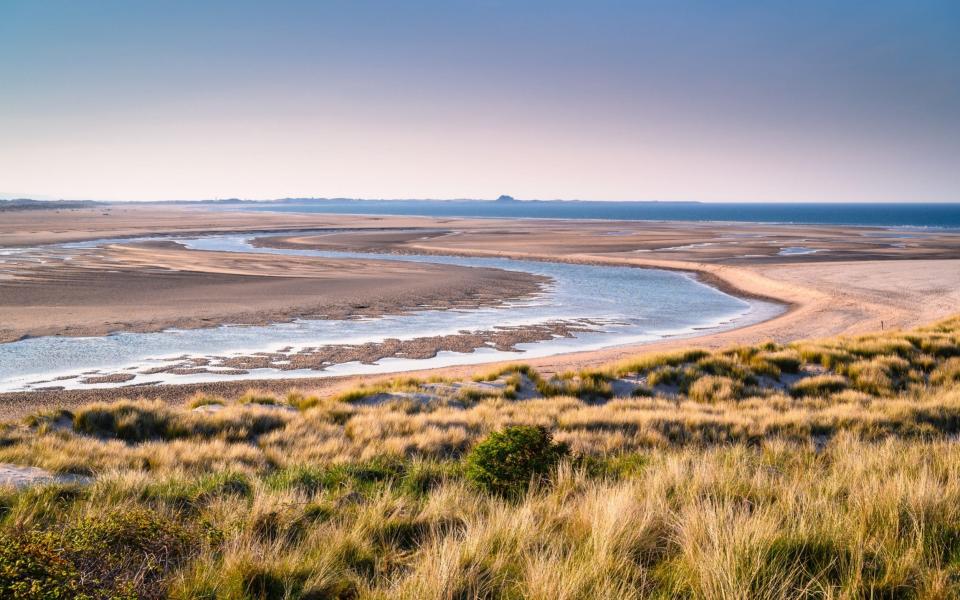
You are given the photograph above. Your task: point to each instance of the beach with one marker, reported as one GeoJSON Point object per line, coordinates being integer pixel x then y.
{"type": "Point", "coordinates": [831, 280]}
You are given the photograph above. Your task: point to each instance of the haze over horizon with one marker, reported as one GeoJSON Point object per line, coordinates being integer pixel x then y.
{"type": "Point", "coordinates": [608, 100]}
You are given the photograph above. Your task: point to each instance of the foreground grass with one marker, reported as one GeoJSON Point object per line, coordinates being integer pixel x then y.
{"type": "Point", "coordinates": [824, 470]}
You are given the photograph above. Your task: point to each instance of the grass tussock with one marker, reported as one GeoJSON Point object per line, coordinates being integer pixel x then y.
{"type": "Point", "coordinates": [823, 469]}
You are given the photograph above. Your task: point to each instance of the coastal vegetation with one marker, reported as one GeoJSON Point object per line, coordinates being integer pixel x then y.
{"type": "Point", "coordinates": [817, 469]}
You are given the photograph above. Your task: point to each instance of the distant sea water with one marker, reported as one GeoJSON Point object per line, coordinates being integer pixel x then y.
{"type": "Point", "coordinates": [881, 215]}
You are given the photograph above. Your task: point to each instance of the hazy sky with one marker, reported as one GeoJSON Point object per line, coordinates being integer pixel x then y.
{"type": "Point", "coordinates": [713, 100]}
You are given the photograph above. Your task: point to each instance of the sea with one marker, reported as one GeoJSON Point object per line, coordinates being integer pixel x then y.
{"type": "Point", "coordinates": [910, 215]}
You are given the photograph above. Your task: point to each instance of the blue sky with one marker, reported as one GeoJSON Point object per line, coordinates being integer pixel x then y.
{"type": "Point", "coordinates": [722, 100]}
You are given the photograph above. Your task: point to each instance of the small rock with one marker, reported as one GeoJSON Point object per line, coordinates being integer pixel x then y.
{"type": "Point", "coordinates": [20, 477]}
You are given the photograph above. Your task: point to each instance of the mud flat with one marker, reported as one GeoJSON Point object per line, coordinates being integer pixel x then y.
{"type": "Point", "coordinates": [836, 280]}
{"type": "Point", "coordinates": [152, 287]}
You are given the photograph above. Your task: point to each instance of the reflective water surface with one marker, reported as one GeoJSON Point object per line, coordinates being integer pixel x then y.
{"type": "Point", "coordinates": [634, 306]}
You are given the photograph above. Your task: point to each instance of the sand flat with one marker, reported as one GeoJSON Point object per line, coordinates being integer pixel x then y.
{"type": "Point", "coordinates": [858, 278]}
{"type": "Point", "coordinates": [151, 287]}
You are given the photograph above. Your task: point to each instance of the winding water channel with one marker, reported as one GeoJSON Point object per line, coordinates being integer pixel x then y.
{"type": "Point", "coordinates": [626, 306]}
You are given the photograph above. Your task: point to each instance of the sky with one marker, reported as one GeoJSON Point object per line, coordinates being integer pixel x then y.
{"type": "Point", "coordinates": [719, 100]}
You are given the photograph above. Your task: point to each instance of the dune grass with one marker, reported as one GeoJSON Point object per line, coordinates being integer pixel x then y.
{"type": "Point", "coordinates": [822, 469]}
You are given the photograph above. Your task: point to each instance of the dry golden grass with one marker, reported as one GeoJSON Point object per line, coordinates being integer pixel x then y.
{"type": "Point", "coordinates": [824, 469]}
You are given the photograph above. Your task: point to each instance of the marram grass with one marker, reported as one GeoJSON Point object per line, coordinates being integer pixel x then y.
{"type": "Point", "coordinates": [824, 469]}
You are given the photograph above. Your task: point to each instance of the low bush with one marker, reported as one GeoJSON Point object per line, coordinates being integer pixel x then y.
{"type": "Point", "coordinates": [123, 554]}
{"type": "Point", "coordinates": [33, 566]}
{"type": "Point", "coordinates": [129, 550]}
{"type": "Point", "coordinates": [506, 462]}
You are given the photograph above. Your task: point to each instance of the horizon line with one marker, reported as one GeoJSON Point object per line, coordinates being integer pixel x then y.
{"type": "Point", "coordinates": [502, 199]}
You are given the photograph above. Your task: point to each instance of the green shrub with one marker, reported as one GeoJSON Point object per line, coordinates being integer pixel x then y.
{"type": "Point", "coordinates": [507, 461]}
{"type": "Point", "coordinates": [33, 566]}
{"type": "Point", "coordinates": [130, 550]}
{"type": "Point", "coordinates": [123, 554]}
{"type": "Point", "coordinates": [132, 528]}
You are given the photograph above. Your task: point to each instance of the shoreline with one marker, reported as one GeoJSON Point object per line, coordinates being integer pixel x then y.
{"type": "Point", "coordinates": [178, 393]}
{"type": "Point", "coordinates": [860, 278]}
{"type": "Point", "coordinates": [293, 222]}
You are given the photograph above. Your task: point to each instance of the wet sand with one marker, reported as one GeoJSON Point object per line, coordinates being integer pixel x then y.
{"type": "Point", "coordinates": [157, 286]}
{"type": "Point", "coordinates": [320, 358]}
{"type": "Point", "coordinates": [858, 280]}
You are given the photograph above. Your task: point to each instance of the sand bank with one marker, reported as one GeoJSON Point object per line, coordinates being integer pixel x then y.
{"type": "Point", "coordinates": [841, 280]}
{"type": "Point", "coordinates": [151, 287]}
